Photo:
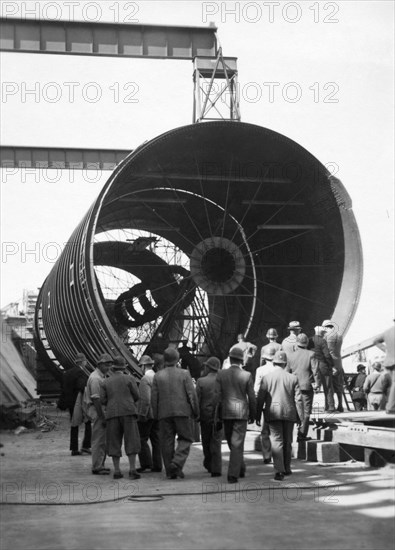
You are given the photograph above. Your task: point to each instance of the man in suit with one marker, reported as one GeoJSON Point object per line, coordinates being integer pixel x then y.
{"type": "Point", "coordinates": [280, 397]}
{"type": "Point", "coordinates": [236, 398]}
{"type": "Point", "coordinates": [325, 363]}
{"type": "Point", "coordinates": [356, 388]}
{"type": "Point", "coordinates": [302, 364]}
{"type": "Point", "coordinates": [289, 343]}
{"type": "Point", "coordinates": [272, 336]}
{"type": "Point", "coordinates": [334, 341]}
{"type": "Point", "coordinates": [266, 366]}
{"type": "Point", "coordinates": [148, 427]}
{"type": "Point", "coordinates": [376, 387]}
{"type": "Point", "coordinates": [96, 413]}
{"type": "Point", "coordinates": [174, 402]}
{"type": "Point", "coordinates": [210, 428]}
{"type": "Point", "coordinates": [73, 383]}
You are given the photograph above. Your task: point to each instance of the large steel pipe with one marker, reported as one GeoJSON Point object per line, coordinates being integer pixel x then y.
{"type": "Point", "coordinates": [265, 233]}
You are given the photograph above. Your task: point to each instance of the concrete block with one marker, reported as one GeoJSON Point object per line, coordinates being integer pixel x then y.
{"type": "Point", "coordinates": [323, 451]}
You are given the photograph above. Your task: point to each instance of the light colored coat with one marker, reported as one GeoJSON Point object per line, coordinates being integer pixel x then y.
{"type": "Point", "coordinates": [235, 393]}
{"type": "Point", "coordinates": [145, 390]}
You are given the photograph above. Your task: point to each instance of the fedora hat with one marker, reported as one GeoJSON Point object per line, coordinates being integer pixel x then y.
{"type": "Point", "coordinates": [105, 358]}
{"type": "Point", "coordinates": [269, 353]}
{"type": "Point", "coordinates": [294, 325]}
{"type": "Point", "coordinates": [280, 358]}
{"type": "Point", "coordinates": [237, 353]}
{"type": "Point", "coordinates": [213, 363]}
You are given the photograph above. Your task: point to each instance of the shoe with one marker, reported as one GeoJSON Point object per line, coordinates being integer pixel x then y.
{"type": "Point", "coordinates": [288, 472]}
{"type": "Point", "coordinates": [279, 476]}
{"type": "Point", "coordinates": [215, 474]}
{"type": "Point", "coordinates": [242, 473]}
{"type": "Point", "coordinates": [76, 453]}
{"type": "Point", "coordinates": [142, 470]}
{"type": "Point", "coordinates": [340, 409]}
{"type": "Point", "coordinates": [134, 475]}
{"type": "Point", "coordinates": [232, 479]}
{"type": "Point", "coordinates": [85, 451]}
{"type": "Point", "coordinates": [267, 460]}
{"type": "Point", "coordinates": [101, 472]}
{"type": "Point", "coordinates": [175, 470]}
{"type": "Point", "coordinates": [117, 475]}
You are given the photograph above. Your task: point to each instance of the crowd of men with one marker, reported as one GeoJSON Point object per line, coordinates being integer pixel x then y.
{"type": "Point", "coordinates": [155, 420]}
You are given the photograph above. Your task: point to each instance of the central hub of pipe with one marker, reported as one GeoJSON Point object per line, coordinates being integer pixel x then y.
{"type": "Point", "coordinates": [217, 265]}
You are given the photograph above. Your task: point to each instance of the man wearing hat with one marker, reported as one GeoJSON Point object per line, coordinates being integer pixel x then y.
{"type": "Point", "coordinates": [119, 393]}
{"type": "Point", "coordinates": [356, 388]}
{"type": "Point", "coordinates": [174, 402]}
{"type": "Point", "coordinates": [376, 386]}
{"type": "Point", "coordinates": [236, 398]}
{"type": "Point", "coordinates": [267, 366]}
{"type": "Point", "coordinates": [148, 427]}
{"type": "Point", "coordinates": [324, 362]}
{"type": "Point", "coordinates": [289, 344]}
{"type": "Point", "coordinates": [301, 363]}
{"type": "Point", "coordinates": [249, 351]}
{"type": "Point", "coordinates": [279, 396]}
{"type": "Point", "coordinates": [73, 385]}
{"type": "Point", "coordinates": [272, 336]}
{"type": "Point", "coordinates": [96, 413]}
{"type": "Point", "coordinates": [335, 341]}
{"type": "Point", "coordinates": [210, 428]}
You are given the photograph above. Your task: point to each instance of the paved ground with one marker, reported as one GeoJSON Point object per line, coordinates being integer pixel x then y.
{"type": "Point", "coordinates": [51, 500]}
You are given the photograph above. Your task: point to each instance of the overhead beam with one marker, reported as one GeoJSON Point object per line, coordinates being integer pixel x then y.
{"type": "Point", "coordinates": [61, 158]}
{"type": "Point", "coordinates": [107, 39]}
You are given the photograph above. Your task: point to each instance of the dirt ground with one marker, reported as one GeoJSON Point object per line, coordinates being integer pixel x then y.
{"type": "Point", "coordinates": [50, 499]}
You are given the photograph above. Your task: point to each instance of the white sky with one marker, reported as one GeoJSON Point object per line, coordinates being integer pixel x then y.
{"type": "Point", "coordinates": [350, 55]}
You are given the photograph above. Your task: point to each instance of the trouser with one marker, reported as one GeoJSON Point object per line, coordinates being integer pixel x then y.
{"type": "Point", "coordinates": [211, 442]}
{"type": "Point", "coordinates": [307, 401]}
{"type": "Point", "coordinates": [265, 441]}
{"type": "Point", "coordinates": [150, 431]}
{"type": "Point", "coordinates": [169, 428]}
{"type": "Point", "coordinates": [281, 438]}
{"type": "Point", "coordinates": [359, 404]}
{"type": "Point", "coordinates": [327, 385]}
{"type": "Point", "coordinates": [86, 443]}
{"type": "Point", "coordinates": [98, 443]}
{"type": "Point", "coordinates": [374, 401]}
{"type": "Point", "coordinates": [235, 432]}
{"type": "Point", "coordinates": [338, 382]}
{"type": "Point", "coordinates": [390, 406]}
